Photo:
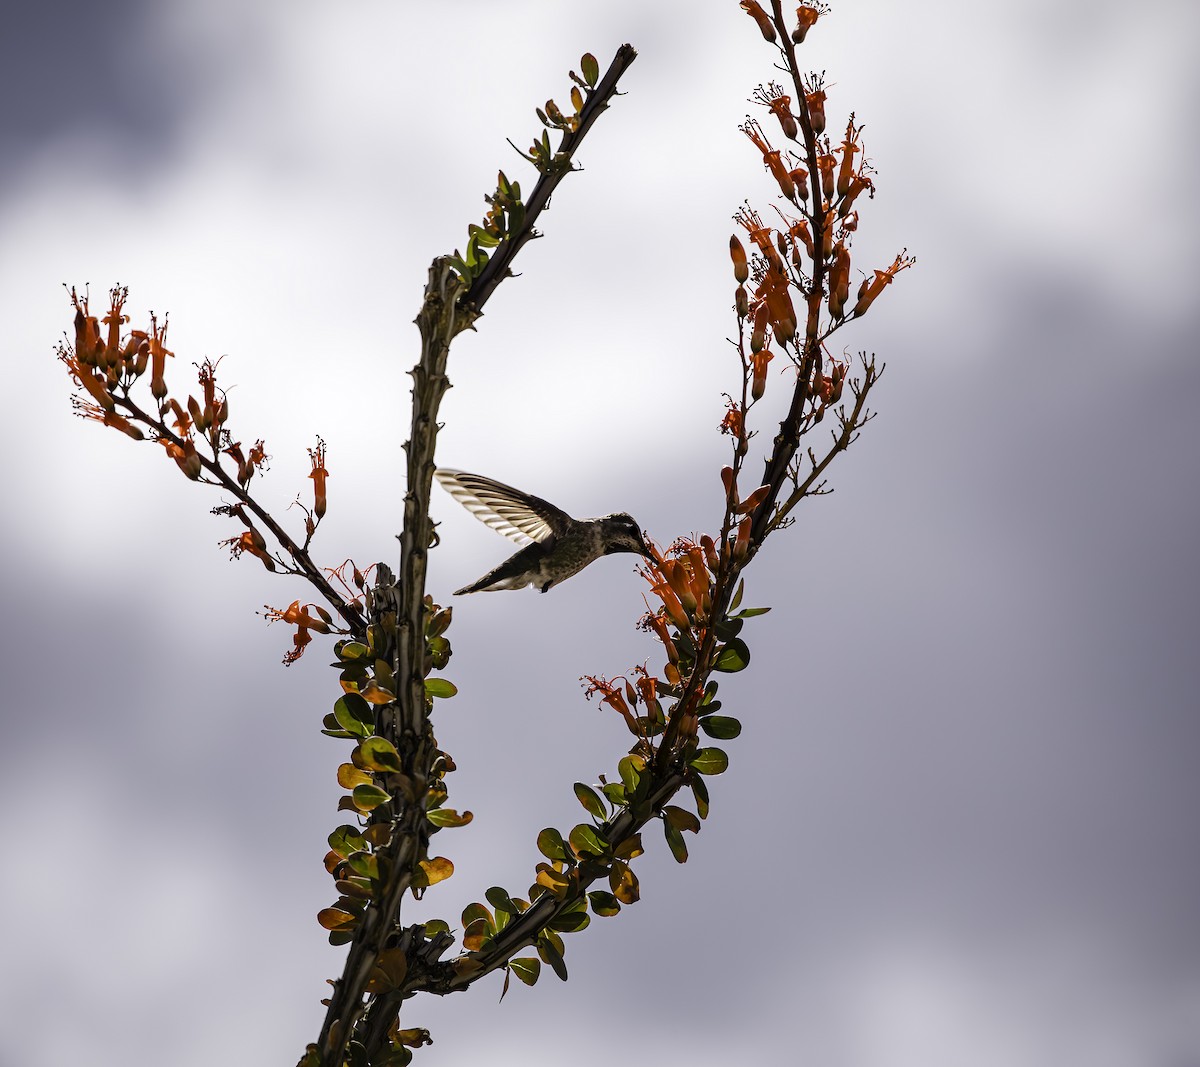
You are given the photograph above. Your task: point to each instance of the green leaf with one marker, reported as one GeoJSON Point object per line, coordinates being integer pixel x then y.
{"type": "Point", "coordinates": [550, 844]}
{"type": "Point", "coordinates": [728, 629]}
{"type": "Point", "coordinates": [355, 715]}
{"type": "Point", "coordinates": [734, 656]}
{"type": "Point", "coordinates": [630, 768]}
{"type": "Point", "coordinates": [526, 968]}
{"type": "Point", "coordinates": [351, 650]}
{"type": "Point", "coordinates": [379, 754]}
{"type": "Point", "coordinates": [369, 797]}
{"type": "Point", "coordinates": [623, 883]}
{"type": "Point", "coordinates": [365, 864]}
{"type": "Point", "coordinates": [603, 903]}
{"type": "Point", "coordinates": [552, 956]}
{"type": "Point", "coordinates": [700, 792]}
{"type": "Point", "coordinates": [675, 842]}
{"type": "Point", "coordinates": [448, 817]}
{"type": "Point", "coordinates": [630, 848]}
{"type": "Point", "coordinates": [585, 839]}
{"type": "Point", "coordinates": [591, 801]}
{"type": "Point", "coordinates": [345, 840]}
{"type": "Point", "coordinates": [737, 596]}
{"type": "Point", "coordinates": [709, 761]}
{"type": "Point", "coordinates": [435, 926]}
{"type": "Point", "coordinates": [722, 727]}
{"type": "Point", "coordinates": [440, 687]}
{"type": "Point", "coordinates": [499, 899]}
{"type": "Point", "coordinates": [681, 818]}
{"type": "Point", "coordinates": [615, 791]}
{"type": "Point", "coordinates": [570, 922]}
{"type": "Point", "coordinates": [476, 912]}
{"type": "Point", "coordinates": [749, 613]}
{"type": "Point", "coordinates": [590, 69]}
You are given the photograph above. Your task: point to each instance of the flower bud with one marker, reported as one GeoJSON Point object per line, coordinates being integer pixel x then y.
{"type": "Point", "coordinates": [741, 269]}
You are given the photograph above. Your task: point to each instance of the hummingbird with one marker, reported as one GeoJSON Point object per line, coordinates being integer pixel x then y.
{"type": "Point", "coordinates": [556, 545]}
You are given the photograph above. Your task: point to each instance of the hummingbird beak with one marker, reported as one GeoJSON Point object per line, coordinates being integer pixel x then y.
{"type": "Point", "coordinates": [645, 548]}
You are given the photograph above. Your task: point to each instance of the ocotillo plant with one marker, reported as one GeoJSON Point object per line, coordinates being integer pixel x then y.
{"type": "Point", "coordinates": [792, 293]}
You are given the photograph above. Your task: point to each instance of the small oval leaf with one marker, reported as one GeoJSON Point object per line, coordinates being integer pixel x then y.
{"type": "Point", "coordinates": [734, 656]}
{"type": "Point", "coordinates": [526, 968]}
{"type": "Point", "coordinates": [709, 761]}
{"type": "Point", "coordinates": [550, 844]}
{"type": "Point", "coordinates": [590, 800]}
{"type": "Point", "coordinates": [369, 797]}
{"type": "Point", "coordinates": [379, 754]}
{"type": "Point", "coordinates": [442, 688]}
{"type": "Point", "coordinates": [722, 727]}
{"type": "Point", "coordinates": [590, 69]}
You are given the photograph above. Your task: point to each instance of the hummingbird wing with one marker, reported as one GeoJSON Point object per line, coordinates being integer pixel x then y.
{"type": "Point", "coordinates": [519, 516]}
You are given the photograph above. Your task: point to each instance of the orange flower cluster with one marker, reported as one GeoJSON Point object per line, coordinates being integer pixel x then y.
{"type": "Point", "coordinates": [806, 16]}
{"type": "Point", "coordinates": [625, 696]}
{"type": "Point", "coordinates": [684, 584]}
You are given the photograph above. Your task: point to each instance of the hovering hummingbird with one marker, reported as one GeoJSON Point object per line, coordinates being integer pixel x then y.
{"type": "Point", "coordinates": [556, 545]}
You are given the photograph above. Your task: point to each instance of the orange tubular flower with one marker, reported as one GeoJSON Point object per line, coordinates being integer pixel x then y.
{"type": "Point", "coordinates": [318, 475]}
{"type": "Point", "coordinates": [95, 387]}
{"type": "Point", "coordinates": [857, 184]}
{"type": "Point", "coordinates": [758, 383]}
{"type": "Point", "coordinates": [781, 310]}
{"type": "Point", "coordinates": [800, 180]}
{"type": "Point", "coordinates": [748, 506]}
{"type": "Point", "coordinates": [871, 288]}
{"type": "Point", "coordinates": [119, 422]}
{"type": "Point", "coordinates": [758, 337]}
{"type": "Point", "coordinates": [88, 347]}
{"type": "Point", "coordinates": [826, 164]}
{"type": "Point", "coordinates": [741, 544]}
{"type": "Point", "coordinates": [753, 130]}
{"type": "Point", "coordinates": [658, 624]}
{"type": "Point", "coordinates": [781, 174]}
{"type": "Point", "coordinates": [815, 102]}
{"type": "Point", "coordinates": [733, 421]}
{"type": "Point", "coordinates": [846, 168]}
{"type": "Point", "coordinates": [765, 26]}
{"type": "Point", "coordinates": [781, 108]}
{"type": "Point", "coordinates": [114, 320]}
{"type": "Point", "coordinates": [158, 358]}
{"type": "Point", "coordinates": [680, 583]}
{"type": "Point", "coordinates": [807, 17]}
{"type": "Point", "coordinates": [839, 281]}
{"type": "Point", "coordinates": [674, 608]}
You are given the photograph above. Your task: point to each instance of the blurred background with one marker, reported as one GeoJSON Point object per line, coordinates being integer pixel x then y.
{"type": "Point", "coordinates": [960, 823]}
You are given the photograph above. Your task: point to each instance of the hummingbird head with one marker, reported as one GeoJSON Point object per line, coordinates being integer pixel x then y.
{"type": "Point", "coordinates": [622, 534]}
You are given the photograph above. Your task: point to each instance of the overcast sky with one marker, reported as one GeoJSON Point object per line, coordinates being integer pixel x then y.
{"type": "Point", "coordinates": [960, 824]}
